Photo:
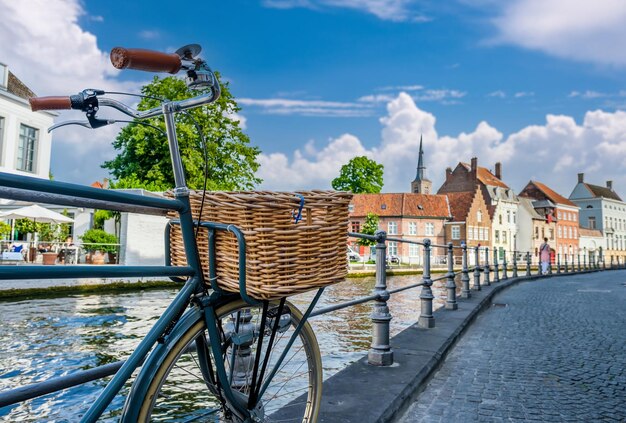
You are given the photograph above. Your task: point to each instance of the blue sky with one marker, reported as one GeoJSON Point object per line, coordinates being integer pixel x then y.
{"type": "Point", "coordinates": [537, 85]}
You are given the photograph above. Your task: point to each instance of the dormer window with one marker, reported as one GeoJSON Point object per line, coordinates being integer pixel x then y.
{"type": "Point", "coordinates": [383, 206]}
{"type": "Point", "coordinates": [350, 208]}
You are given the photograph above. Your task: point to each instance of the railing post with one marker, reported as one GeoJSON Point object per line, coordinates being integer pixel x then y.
{"type": "Point", "coordinates": [426, 319]}
{"type": "Point", "coordinates": [578, 262]}
{"type": "Point", "coordinates": [476, 286]}
{"type": "Point", "coordinates": [585, 262]}
{"type": "Point", "coordinates": [527, 264]}
{"type": "Point", "coordinates": [496, 273]}
{"type": "Point", "coordinates": [558, 264]}
{"type": "Point", "coordinates": [465, 290]}
{"type": "Point", "coordinates": [550, 265]}
{"type": "Point", "coordinates": [611, 263]}
{"type": "Point", "coordinates": [504, 266]}
{"type": "Point", "coordinates": [380, 354]}
{"type": "Point", "coordinates": [514, 264]}
{"type": "Point", "coordinates": [566, 266]}
{"type": "Point", "coordinates": [487, 270]}
{"type": "Point", "coordinates": [451, 303]}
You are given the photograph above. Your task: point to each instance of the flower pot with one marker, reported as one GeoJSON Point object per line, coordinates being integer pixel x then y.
{"type": "Point", "coordinates": [49, 258]}
{"type": "Point", "coordinates": [112, 257]}
{"type": "Point", "coordinates": [97, 257]}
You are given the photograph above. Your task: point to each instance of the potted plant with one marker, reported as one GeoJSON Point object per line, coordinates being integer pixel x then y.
{"type": "Point", "coordinates": [97, 242]}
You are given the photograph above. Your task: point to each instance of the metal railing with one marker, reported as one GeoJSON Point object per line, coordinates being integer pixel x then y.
{"type": "Point", "coordinates": [381, 352]}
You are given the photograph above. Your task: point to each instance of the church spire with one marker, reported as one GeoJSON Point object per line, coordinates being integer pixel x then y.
{"type": "Point", "coordinates": [421, 185]}
{"type": "Point", "coordinates": [420, 163]}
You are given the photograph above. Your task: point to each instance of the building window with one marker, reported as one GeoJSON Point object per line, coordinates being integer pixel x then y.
{"type": "Point", "coordinates": [392, 248]}
{"type": "Point", "coordinates": [592, 222]}
{"type": "Point", "coordinates": [414, 250]}
{"type": "Point", "coordinates": [551, 232]}
{"type": "Point", "coordinates": [412, 228]}
{"type": "Point", "coordinates": [500, 218]}
{"type": "Point", "coordinates": [497, 236]}
{"type": "Point", "coordinates": [392, 228]}
{"type": "Point", "coordinates": [479, 216]}
{"type": "Point", "coordinates": [508, 216]}
{"type": "Point", "coordinates": [356, 226]}
{"type": "Point", "coordinates": [430, 229]}
{"type": "Point", "coordinates": [383, 206]}
{"type": "Point", "coordinates": [470, 232]}
{"type": "Point", "coordinates": [27, 148]}
{"type": "Point", "coordinates": [537, 232]}
{"type": "Point", "coordinates": [456, 232]}
{"type": "Point", "coordinates": [514, 217]}
{"type": "Point", "coordinates": [350, 208]}
{"type": "Point", "coordinates": [504, 237]}
{"type": "Point", "coordinates": [575, 233]}
{"type": "Point", "coordinates": [486, 234]}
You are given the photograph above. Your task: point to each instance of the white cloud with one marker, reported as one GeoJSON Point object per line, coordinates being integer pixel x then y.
{"type": "Point", "coordinates": [522, 94]}
{"type": "Point", "coordinates": [498, 93]}
{"type": "Point", "coordinates": [390, 10]}
{"type": "Point", "coordinates": [45, 47]}
{"type": "Point", "coordinates": [443, 95]}
{"type": "Point", "coordinates": [149, 34]}
{"type": "Point", "coordinates": [582, 30]}
{"type": "Point", "coordinates": [284, 106]}
{"type": "Point", "coordinates": [553, 152]}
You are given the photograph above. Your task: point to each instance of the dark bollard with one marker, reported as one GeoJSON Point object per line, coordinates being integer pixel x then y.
{"type": "Point", "coordinates": [566, 267]}
{"type": "Point", "coordinates": [426, 319]}
{"type": "Point", "coordinates": [558, 264]}
{"type": "Point", "coordinates": [527, 264]}
{"type": "Point", "coordinates": [465, 290]}
{"type": "Point", "coordinates": [476, 286]}
{"type": "Point", "coordinates": [380, 354]}
{"type": "Point", "coordinates": [504, 266]}
{"type": "Point", "coordinates": [585, 262]}
{"type": "Point", "coordinates": [487, 270]}
{"type": "Point", "coordinates": [578, 262]}
{"type": "Point", "coordinates": [514, 264]}
{"type": "Point", "coordinates": [496, 273]}
{"type": "Point", "coordinates": [451, 303]}
{"type": "Point", "coordinates": [611, 263]}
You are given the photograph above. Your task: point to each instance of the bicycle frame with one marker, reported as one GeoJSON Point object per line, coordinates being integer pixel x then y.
{"type": "Point", "coordinates": [31, 189]}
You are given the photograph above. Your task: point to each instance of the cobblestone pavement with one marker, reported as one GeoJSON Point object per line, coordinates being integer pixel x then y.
{"type": "Point", "coordinates": [555, 352]}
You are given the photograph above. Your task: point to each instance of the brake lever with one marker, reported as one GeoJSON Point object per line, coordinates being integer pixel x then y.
{"type": "Point", "coordinates": [89, 124]}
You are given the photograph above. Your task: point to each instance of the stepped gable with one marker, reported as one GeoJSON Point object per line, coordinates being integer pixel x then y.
{"type": "Point", "coordinates": [598, 191]}
{"type": "Point", "coordinates": [401, 204]}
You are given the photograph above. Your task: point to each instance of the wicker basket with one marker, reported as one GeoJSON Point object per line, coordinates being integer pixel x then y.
{"type": "Point", "coordinates": [282, 257]}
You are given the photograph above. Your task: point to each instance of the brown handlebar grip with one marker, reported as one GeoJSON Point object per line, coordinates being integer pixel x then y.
{"type": "Point", "coordinates": [50, 103]}
{"type": "Point", "coordinates": [145, 60]}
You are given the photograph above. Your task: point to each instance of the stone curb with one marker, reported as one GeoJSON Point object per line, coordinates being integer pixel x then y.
{"type": "Point", "coordinates": [364, 393]}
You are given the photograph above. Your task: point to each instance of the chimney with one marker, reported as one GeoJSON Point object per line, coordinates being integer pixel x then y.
{"type": "Point", "coordinates": [474, 168]}
{"type": "Point", "coordinates": [499, 170]}
{"type": "Point", "coordinates": [581, 178]}
{"type": "Point", "coordinates": [448, 173]}
{"type": "Point", "coordinates": [609, 185]}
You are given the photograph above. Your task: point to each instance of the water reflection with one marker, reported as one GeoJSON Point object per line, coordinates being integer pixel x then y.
{"type": "Point", "coordinates": [40, 339]}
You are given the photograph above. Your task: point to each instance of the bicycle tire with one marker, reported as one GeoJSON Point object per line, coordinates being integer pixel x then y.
{"type": "Point", "coordinates": [298, 408]}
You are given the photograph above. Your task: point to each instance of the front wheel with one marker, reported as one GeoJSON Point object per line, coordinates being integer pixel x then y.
{"type": "Point", "coordinates": [181, 389]}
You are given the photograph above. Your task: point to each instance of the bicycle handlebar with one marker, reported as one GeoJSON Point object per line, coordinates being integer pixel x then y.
{"type": "Point", "coordinates": [50, 103]}
{"type": "Point", "coordinates": [145, 60]}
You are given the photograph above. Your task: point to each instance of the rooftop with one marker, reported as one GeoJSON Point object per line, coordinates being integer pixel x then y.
{"type": "Point", "coordinates": [401, 204]}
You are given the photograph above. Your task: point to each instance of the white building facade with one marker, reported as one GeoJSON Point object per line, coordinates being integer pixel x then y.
{"type": "Point", "coordinates": [25, 143]}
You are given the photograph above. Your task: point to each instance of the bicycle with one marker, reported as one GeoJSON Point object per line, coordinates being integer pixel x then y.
{"type": "Point", "coordinates": [246, 360]}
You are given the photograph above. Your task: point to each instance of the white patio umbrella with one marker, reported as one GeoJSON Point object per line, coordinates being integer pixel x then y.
{"type": "Point", "coordinates": [37, 214]}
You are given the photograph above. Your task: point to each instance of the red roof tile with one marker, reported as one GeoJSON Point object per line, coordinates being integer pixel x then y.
{"type": "Point", "coordinates": [485, 176]}
{"type": "Point", "coordinates": [460, 204]}
{"type": "Point", "coordinates": [553, 195]}
{"type": "Point", "coordinates": [401, 204]}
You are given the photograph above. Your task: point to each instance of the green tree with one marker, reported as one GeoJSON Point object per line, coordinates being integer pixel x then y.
{"type": "Point", "coordinates": [369, 228]}
{"type": "Point", "coordinates": [360, 175]}
{"type": "Point", "coordinates": [143, 159]}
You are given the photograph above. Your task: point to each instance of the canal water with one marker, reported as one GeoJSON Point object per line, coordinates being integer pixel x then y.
{"type": "Point", "coordinates": [44, 338]}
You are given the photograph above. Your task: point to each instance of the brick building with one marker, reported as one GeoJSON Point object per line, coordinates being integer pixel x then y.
{"type": "Point", "coordinates": [533, 226]}
{"type": "Point", "coordinates": [402, 215]}
{"type": "Point", "coordinates": [470, 222]}
{"type": "Point", "coordinates": [561, 210]}
{"type": "Point", "coordinates": [501, 201]}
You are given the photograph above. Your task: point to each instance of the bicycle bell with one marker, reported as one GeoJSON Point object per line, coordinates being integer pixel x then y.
{"type": "Point", "coordinates": [199, 75]}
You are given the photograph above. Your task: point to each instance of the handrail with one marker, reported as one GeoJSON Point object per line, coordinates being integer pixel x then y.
{"type": "Point", "coordinates": [381, 352]}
